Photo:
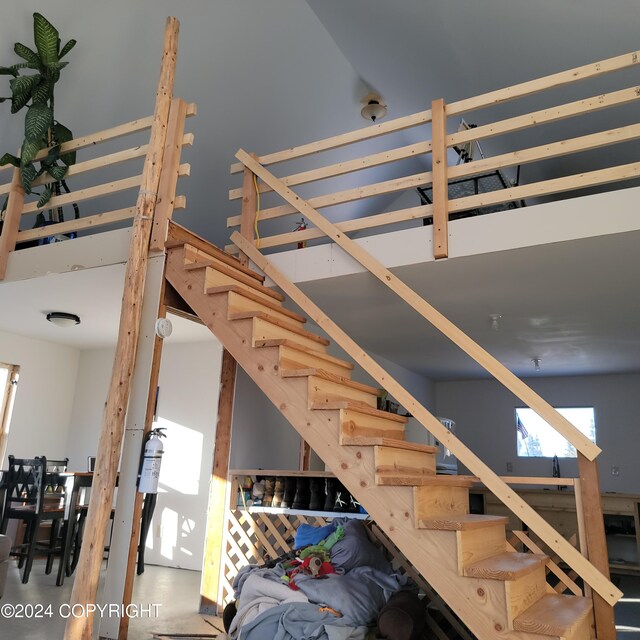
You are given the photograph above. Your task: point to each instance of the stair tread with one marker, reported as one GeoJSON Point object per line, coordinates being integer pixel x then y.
{"type": "Point", "coordinates": [230, 272]}
{"type": "Point", "coordinates": [326, 375]}
{"type": "Point", "coordinates": [446, 480]}
{"type": "Point", "coordinates": [212, 256]}
{"type": "Point", "coordinates": [260, 315]}
{"type": "Point", "coordinates": [271, 304]}
{"type": "Point", "coordinates": [505, 566]}
{"type": "Point", "coordinates": [285, 342]}
{"type": "Point", "coordinates": [393, 443]}
{"type": "Point", "coordinates": [265, 315]}
{"type": "Point", "coordinates": [553, 615]}
{"type": "Point", "coordinates": [178, 236]}
{"type": "Point", "coordinates": [461, 522]}
{"type": "Point", "coordinates": [358, 408]}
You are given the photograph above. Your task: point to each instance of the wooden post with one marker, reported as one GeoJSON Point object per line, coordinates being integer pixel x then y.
{"type": "Point", "coordinates": [88, 572]}
{"type": "Point", "coordinates": [596, 542]}
{"type": "Point", "coordinates": [9, 396]}
{"type": "Point", "coordinates": [249, 209]}
{"type": "Point", "coordinates": [11, 226]}
{"type": "Point", "coordinates": [305, 455]}
{"type": "Point", "coordinates": [169, 177]}
{"type": "Point", "coordinates": [440, 183]}
{"type": "Point", "coordinates": [209, 587]}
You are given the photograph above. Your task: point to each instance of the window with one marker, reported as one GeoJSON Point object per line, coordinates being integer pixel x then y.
{"type": "Point", "coordinates": [536, 438]}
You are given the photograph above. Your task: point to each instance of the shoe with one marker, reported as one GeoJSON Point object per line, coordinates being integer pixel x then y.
{"type": "Point", "coordinates": [317, 494]}
{"type": "Point", "coordinates": [354, 505]}
{"type": "Point", "coordinates": [341, 503]}
{"type": "Point", "coordinates": [278, 492]}
{"type": "Point", "coordinates": [269, 488]}
{"type": "Point", "coordinates": [290, 485]}
{"type": "Point", "coordinates": [302, 497]}
{"type": "Point", "coordinates": [330, 491]}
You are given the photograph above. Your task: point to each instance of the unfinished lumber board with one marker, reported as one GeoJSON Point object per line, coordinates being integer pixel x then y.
{"type": "Point", "coordinates": [194, 256]}
{"type": "Point", "coordinates": [270, 329]}
{"type": "Point", "coordinates": [11, 226]}
{"type": "Point", "coordinates": [359, 428]}
{"type": "Point", "coordinates": [479, 543]}
{"type": "Point", "coordinates": [87, 573]}
{"type": "Point", "coordinates": [554, 615]}
{"type": "Point", "coordinates": [439, 501]}
{"type": "Point", "coordinates": [322, 391]}
{"type": "Point", "coordinates": [440, 181]}
{"type": "Point", "coordinates": [524, 591]}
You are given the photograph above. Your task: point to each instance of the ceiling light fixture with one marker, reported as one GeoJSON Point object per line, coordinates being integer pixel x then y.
{"type": "Point", "coordinates": [536, 363]}
{"type": "Point", "coordinates": [373, 108]}
{"type": "Point", "coordinates": [62, 319]}
{"type": "Point", "coordinates": [495, 321]}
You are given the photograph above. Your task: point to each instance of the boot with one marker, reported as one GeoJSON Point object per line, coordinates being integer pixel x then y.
{"type": "Point", "coordinates": [330, 490]}
{"type": "Point", "coordinates": [341, 503]}
{"type": "Point", "coordinates": [354, 505]}
{"type": "Point", "coordinates": [302, 497]}
{"type": "Point", "coordinates": [318, 495]}
{"type": "Point", "coordinates": [290, 485]}
{"type": "Point", "coordinates": [269, 488]}
{"type": "Point", "coordinates": [278, 492]}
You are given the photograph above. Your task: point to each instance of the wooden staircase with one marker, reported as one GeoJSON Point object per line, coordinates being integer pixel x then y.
{"type": "Point", "coordinates": [498, 594]}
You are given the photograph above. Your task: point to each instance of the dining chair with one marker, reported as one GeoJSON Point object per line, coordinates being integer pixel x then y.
{"type": "Point", "coordinates": [32, 496]}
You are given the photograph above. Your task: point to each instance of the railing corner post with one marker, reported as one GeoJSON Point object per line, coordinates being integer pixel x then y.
{"type": "Point", "coordinates": [440, 182]}
{"type": "Point", "coordinates": [249, 208]}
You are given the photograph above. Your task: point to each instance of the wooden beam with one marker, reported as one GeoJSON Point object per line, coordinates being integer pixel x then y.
{"type": "Point", "coordinates": [89, 222]}
{"type": "Point", "coordinates": [552, 81]}
{"type": "Point", "coordinates": [249, 210]}
{"type": "Point", "coordinates": [8, 398]}
{"type": "Point", "coordinates": [210, 584]}
{"type": "Point", "coordinates": [305, 455]}
{"type": "Point", "coordinates": [11, 225]}
{"type": "Point", "coordinates": [507, 495]}
{"type": "Point", "coordinates": [366, 133]}
{"type": "Point", "coordinates": [88, 571]}
{"type": "Point", "coordinates": [596, 542]}
{"type": "Point", "coordinates": [440, 181]}
{"type": "Point", "coordinates": [170, 174]}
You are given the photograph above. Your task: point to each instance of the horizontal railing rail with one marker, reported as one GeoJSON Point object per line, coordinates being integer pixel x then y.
{"type": "Point", "coordinates": [510, 196]}
{"type": "Point", "coordinates": [19, 205]}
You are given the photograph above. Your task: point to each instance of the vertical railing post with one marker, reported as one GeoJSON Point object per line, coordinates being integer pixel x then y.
{"type": "Point", "coordinates": [216, 516]}
{"type": "Point", "coordinates": [440, 183]}
{"type": "Point", "coordinates": [249, 209]}
{"type": "Point", "coordinates": [11, 226]}
{"type": "Point", "coordinates": [596, 542]}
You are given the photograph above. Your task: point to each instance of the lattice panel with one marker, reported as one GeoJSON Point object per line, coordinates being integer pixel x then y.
{"type": "Point", "coordinates": [255, 538]}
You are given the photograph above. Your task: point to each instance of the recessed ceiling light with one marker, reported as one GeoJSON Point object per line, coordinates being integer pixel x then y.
{"type": "Point", "coordinates": [63, 319]}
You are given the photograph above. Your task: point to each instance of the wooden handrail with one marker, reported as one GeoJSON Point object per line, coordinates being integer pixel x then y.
{"type": "Point", "coordinates": [510, 498]}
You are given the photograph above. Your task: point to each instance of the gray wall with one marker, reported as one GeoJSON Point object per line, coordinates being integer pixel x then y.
{"type": "Point", "coordinates": [484, 414]}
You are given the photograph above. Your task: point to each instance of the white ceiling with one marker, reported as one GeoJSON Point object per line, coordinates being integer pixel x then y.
{"type": "Point", "coordinates": [272, 74]}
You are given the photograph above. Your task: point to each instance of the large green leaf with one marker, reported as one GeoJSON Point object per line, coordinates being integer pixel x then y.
{"type": "Point", "coordinates": [37, 122]}
{"type": "Point", "coordinates": [61, 134]}
{"type": "Point", "coordinates": [57, 172]}
{"type": "Point", "coordinates": [26, 54]}
{"type": "Point", "coordinates": [42, 93]}
{"type": "Point", "coordinates": [24, 84]}
{"type": "Point", "coordinates": [67, 47]}
{"type": "Point", "coordinates": [45, 196]}
{"type": "Point", "coordinates": [28, 174]}
{"type": "Point", "coordinates": [29, 152]}
{"type": "Point", "coordinates": [9, 158]}
{"type": "Point", "coordinates": [46, 37]}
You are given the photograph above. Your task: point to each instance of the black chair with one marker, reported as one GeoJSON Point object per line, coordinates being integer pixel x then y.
{"type": "Point", "coordinates": [32, 496]}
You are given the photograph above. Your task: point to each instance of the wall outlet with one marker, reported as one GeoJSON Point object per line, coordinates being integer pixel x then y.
{"type": "Point", "coordinates": [509, 467]}
{"type": "Point", "coordinates": [615, 470]}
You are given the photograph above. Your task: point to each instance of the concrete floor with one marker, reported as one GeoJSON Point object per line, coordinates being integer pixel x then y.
{"type": "Point", "coordinates": [176, 591]}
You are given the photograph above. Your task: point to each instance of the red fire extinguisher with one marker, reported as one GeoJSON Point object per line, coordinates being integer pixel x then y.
{"type": "Point", "coordinates": [302, 225]}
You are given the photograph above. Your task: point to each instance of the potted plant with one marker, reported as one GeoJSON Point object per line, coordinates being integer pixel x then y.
{"type": "Point", "coordinates": [32, 86]}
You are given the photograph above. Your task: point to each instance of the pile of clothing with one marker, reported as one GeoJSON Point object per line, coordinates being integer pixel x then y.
{"type": "Point", "coordinates": [332, 587]}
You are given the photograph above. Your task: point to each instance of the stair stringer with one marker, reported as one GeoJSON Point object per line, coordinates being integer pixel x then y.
{"type": "Point", "coordinates": [480, 603]}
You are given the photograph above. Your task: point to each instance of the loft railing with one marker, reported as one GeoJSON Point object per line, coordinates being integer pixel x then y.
{"type": "Point", "coordinates": [98, 170]}
{"type": "Point", "coordinates": [593, 565]}
{"type": "Point", "coordinates": [440, 175]}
